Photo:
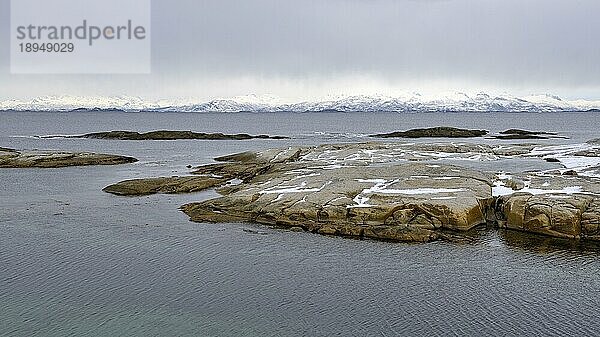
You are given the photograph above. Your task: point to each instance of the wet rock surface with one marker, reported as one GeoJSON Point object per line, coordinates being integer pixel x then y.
{"type": "Point", "coordinates": [172, 135]}
{"type": "Point", "coordinates": [10, 158]}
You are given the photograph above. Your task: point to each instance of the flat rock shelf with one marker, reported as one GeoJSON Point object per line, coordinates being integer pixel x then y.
{"type": "Point", "coordinates": [10, 158]}
{"type": "Point", "coordinates": [395, 191]}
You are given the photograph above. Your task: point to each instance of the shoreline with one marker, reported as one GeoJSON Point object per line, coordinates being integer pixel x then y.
{"type": "Point", "coordinates": [398, 191]}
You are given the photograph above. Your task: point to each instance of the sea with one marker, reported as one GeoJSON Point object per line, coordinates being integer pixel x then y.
{"type": "Point", "coordinates": [75, 261]}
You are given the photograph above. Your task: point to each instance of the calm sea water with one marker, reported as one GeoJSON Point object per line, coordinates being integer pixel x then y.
{"type": "Point", "coordinates": [77, 261]}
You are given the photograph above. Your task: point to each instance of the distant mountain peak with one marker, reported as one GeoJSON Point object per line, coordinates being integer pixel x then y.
{"type": "Point", "coordinates": [404, 102]}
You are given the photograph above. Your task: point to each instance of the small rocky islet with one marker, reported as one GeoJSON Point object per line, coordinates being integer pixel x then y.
{"type": "Point", "coordinates": [513, 134]}
{"type": "Point", "coordinates": [164, 185]}
{"type": "Point", "coordinates": [436, 132]}
{"type": "Point", "coordinates": [397, 191]}
{"type": "Point", "coordinates": [451, 132]}
{"type": "Point", "coordinates": [11, 158]}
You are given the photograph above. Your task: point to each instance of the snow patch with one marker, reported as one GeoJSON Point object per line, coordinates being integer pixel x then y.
{"type": "Point", "coordinates": [420, 191]}
{"type": "Point", "coordinates": [295, 189]}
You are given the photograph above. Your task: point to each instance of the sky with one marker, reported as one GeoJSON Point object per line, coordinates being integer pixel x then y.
{"type": "Point", "coordinates": [306, 49]}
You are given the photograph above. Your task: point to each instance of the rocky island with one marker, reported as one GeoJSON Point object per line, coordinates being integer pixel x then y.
{"type": "Point", "coordinates": [10, 158]}
{"type": "Point", "coordinates": [396, 191]}
{"type": "Point", "coordinates": [512, 134]}
{"type": "Point", "coordinates": [436, 132]}
{"type": "Point", "coordinates": [166, 185]}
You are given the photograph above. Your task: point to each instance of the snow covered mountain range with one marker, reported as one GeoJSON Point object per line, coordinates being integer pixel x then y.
{"type": "Point", "coordinates": [411, 102]}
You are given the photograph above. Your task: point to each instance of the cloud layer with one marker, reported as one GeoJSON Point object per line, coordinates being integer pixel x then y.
{"type": "Point", "coordinates": [307, 48]}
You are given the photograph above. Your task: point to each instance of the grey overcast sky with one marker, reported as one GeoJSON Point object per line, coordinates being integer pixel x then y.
{"type": "Point", "coordinates": [311, 48]}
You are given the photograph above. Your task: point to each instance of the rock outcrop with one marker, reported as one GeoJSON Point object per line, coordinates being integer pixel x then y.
{"type": "Point", "coordinates": [573, 217]}
{"type": "Point", "coordinates": [437, 132]}
{"type": "Point", "coordinates": [305, 188]}
{"type": "Point", "coordinates": [409, 202]}
{"type": "Point", "coordinates": [396, 191]}
{"type": "Point", "coordinates": [242, 167]}
{"type": "Point", "coordinates": [525, 134]}
{"type": "Point", "coordinates": [554, 206]}
{"type": "Point", "coordinates": [165, 185]}
{"type": "Point", "coordinates": [10, 158]}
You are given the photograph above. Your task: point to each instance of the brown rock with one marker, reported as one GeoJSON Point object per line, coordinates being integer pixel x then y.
{"type": "Point", "coordinates": [549, 215]}
{"type": "Point", "coordinates": [55, 159]}
{"type": "Point", "coordinates": [348, 201]}
{"type": "Point", "coordinates": [166, 185]}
